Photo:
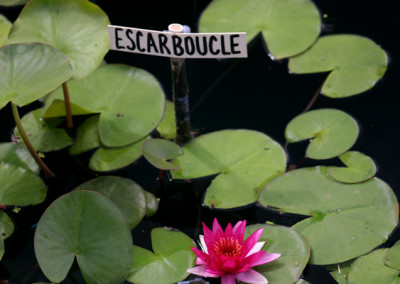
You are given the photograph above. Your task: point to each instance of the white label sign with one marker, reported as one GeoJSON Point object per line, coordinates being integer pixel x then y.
{"type": "Point", "coordinates": [178, 45]}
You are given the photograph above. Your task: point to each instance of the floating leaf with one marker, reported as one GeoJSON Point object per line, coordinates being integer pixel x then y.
{"type": "Point", "coordinates": [332, 132]}
{"type": "Point", "coordinates": [20, 187]}
{"type": "Point", "coordinates": [125, 193]}
{"type": "Point", "coordinates": [294, 250]}
{"type": "Point", "coordinates": [90, 227]}
{"type": "Point", "coordinates": [6, 226]}
{"type": "Point", "coordinates": [24, 65]}
{"type": "Point", "coordinates": [167, 127]}
{"type": "Point", "coordinates": [356, 62]}
{"type": "Point", "coordinates": [287, 26]}
{"type": "Point", "coordinates": [87, 136]}
{"type": "Point", "coordinates": [5, 26]}
{"type": "Point", "coordinates": [172, 256]}
{"type": "Point", "coordinates": [151, 203]}
{"type": "Point", "coordinates": [243, 159]}
{"type": "Point", "coordinates": [370, 269]}
{"type": "Point", "coordinates": [158, 151]}
{"type": "Point", "coordinates": [341, 272]}
{"type": "Point", "coordinates": [359, 168]}
{"type": "Point", "coordinates": [392, 257]}
{"type": "Point", "coordinates": [43, 137]}
{"type": "Point", "coordinates": [130, 102]}
{"type": "Point", "coordinates": [17, 155]}
{"type": "Point", "coordinates": [109, 159]}
{"type": "Point", "coordinates": [76, 27]}
{"type": "Point", "coordinates": [12, 2]}
{"type": "Point", "coordinates": [346, 220]}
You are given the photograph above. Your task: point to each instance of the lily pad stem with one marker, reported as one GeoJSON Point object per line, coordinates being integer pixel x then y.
{"type": "Point", "coordinates": [67, 101]}
{"type": "Point", "coordinates": [28, 143]}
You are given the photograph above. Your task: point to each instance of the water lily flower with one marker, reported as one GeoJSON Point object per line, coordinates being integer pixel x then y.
{"type": "Point", "coordinates": [225, 255]}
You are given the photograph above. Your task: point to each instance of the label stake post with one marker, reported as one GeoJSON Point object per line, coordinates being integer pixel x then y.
{"type": "Point", "coordinates": [180, 93]}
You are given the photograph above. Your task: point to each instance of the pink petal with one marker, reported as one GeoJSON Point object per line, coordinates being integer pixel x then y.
{"type": "Point", "coordinates": [217, 230]}
{"type": "Point", "coordinates": [199, 261]}
{"type": "Point", "coordinates": [229, 265]}
{"type": "Point", "coordinates": [251, 241]}
{"type": "Point", "coordinates": [257, 247]}
{"type": "Point", "coordinates": [268, 257]}
{"type": "Point", "coordinates": [228, 231]}
{"type": "Point", "coordinates": [251, 260]}
{"type": "Point", "coordinates": [251, 276]}
{"type": "Point", "coordinates": [205, 257]}
{"type": "Point", "coordinates": [209, 237]}
{"type": "Point", "coordinates": [228, 279]}
{"type": "Point", "coordinates": [238, 230]}
{"type": "Point", "coordinates": [201, 270]}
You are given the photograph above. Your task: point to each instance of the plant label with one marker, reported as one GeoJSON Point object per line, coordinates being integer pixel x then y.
{"type": "Point", "coordinates": [178, 45]}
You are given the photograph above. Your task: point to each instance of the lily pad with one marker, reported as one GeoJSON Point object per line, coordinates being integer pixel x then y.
{"type": "Point", "coordinates": [87, 136]}
{"type": "Point", "coordinates": [17, 155]}
{"type": "Point", "coordinates": [341, 272]}
{"type": "Point", "coordinates": [359, 168]}
{"type": "Point", "coordinates": [20, 187]}
{"type": "Point", "coordinates": [167, 127]}
{"type": "Point", "coordinates": [9, 3]}
{"type": "Point", "coordinates": [158, 151]}
{"type": "Point", "coordinates": [151, 203]}
{"type": "Point", "coordinates": [130, 101]}
{"type": "Point", "coordinates": [370, 269]}
{"type": "Point", "coordinates": [346, 220]}
{"type": "Point", "coordinates": [76, 27]}
{"type": "Point", "coordinates": [332, 132]}
{"type": "Point", "coordinates": [43, 137]}
{"type": "Point", "coordinates": [90, 227]}
{"type": "Point", "coordinates": [356, 63]}
{"type": "Point", "coordinates": [109, 159]}
{"type": "Point", "coordinates": [287, 26]}
{"type": "Point", "coordinates": [243, 160]}
{"type": "Point", "coordinates": [125, 193]}
{"type": "Point", "coordinates": [168, 264]}
{"type": "Point", "coordinates": [294, 250]}
{"type": "Point", "coordinates": [392, 257]}
{"type": "Point", "coordinates": [6, 226]}
{"type": "Point", "coordinates": [5, 26]}
{"type": "Point", "coordinates": [24, 65]}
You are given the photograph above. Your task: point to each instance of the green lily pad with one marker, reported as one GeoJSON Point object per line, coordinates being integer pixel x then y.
{"type": "Point", "coordinates": [167, 126]}
{"type": "Point", "coordinates": [168, 264]}
{"type": "Point", "coordinates": [109, 159]}
{"type": "Point", "coordinates": [6, 226]}
{"type": "Point", "coordinates": [294, 250]}
{"type": "Point", "coordinates": [341, 272]}
{"type": "Point", "coordinates": [158, 151]}
{"type": "Point", "coordinates": [90, 227]}
{"type": "Point", "coordinates": [332, 132]}
{"type": "Point", "coordinates": [370, 269]}
{"type": "Point", "coordinates": [244, 161]}
{"type": "Point", "coordinates": [287, 26]}
{"type": "Point", "coordinates": [130, 101]}
{"type": "Point", "coordinates": [43, 137]}
{"type": "Point", "coordinates": [5, 26]}
{"type": "Point", "coordinates": [20, 187]}
{"type": "Point", "coordinates": [359, 168]}
{"type": "Point", "coordinates": [76, 27]}
{"type": "Point", "coordinates": [24, 65]}
{"type": "Point", "coordinates": [125, 193]}
{"type": "Point", "coordinates": [151, 203]}
{"type": "Point", "coordinates": [392, 257]}
{"type": "Point", "coordinates": [17, 155]}
{"type": "Point", "coordinates": [356, 64]}
{"type": "Point", "coordinates": [87, 136]}
{"type": "Point", "coordinates": [9, 3]}
{"type": "Point", "coordinates": [302, 281]}
{"type": "Point", "coordinates": [346, 220]}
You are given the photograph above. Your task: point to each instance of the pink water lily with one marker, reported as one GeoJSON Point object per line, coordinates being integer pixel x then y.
{"type": "Point", "coordinates": [225, 255]}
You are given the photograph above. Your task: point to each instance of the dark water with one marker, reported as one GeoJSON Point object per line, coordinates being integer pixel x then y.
{"type": "Point", "coordinates": [254, 93]}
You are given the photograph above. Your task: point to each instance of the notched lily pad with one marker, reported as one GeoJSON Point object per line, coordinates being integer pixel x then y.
{"type": "Point", "coordinates": [331, 132]}
{"type": "Point", "coordinates": [359, 168]}
{"type": "Point", "coordinates": [76, 27]}
{"type": "Point", "coordinates": [244, 161]}
{"type": "Point", "coordinates": [346, 220]}
{"type": "Point", "coordinates": [89, 227]}
{"type": "Point", "coordinates": [5, 26]}
{"type": "Point", "coordinates": [294, 250]}
{"type": "Point", "coordinates": [130, 101]}
{"type": "Point", "coordinates": [356, 64]}
{"type": "Point", "coordinates": [392, 257]}
{"type": "Point", "coordinates": [125, 193]}
{"type": "Point", "coordinates": [168, 264]}
{"type": "Point", "coordinates": [158, 151]}
{"type": "Point", "coordinates": [167, 126]}
{"type": "Point", "coordinates": [43, 136]}
{"type": "Point", "coordinates": [25, 64]}
{"type": "Point", "coordinates": [287, 26]}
